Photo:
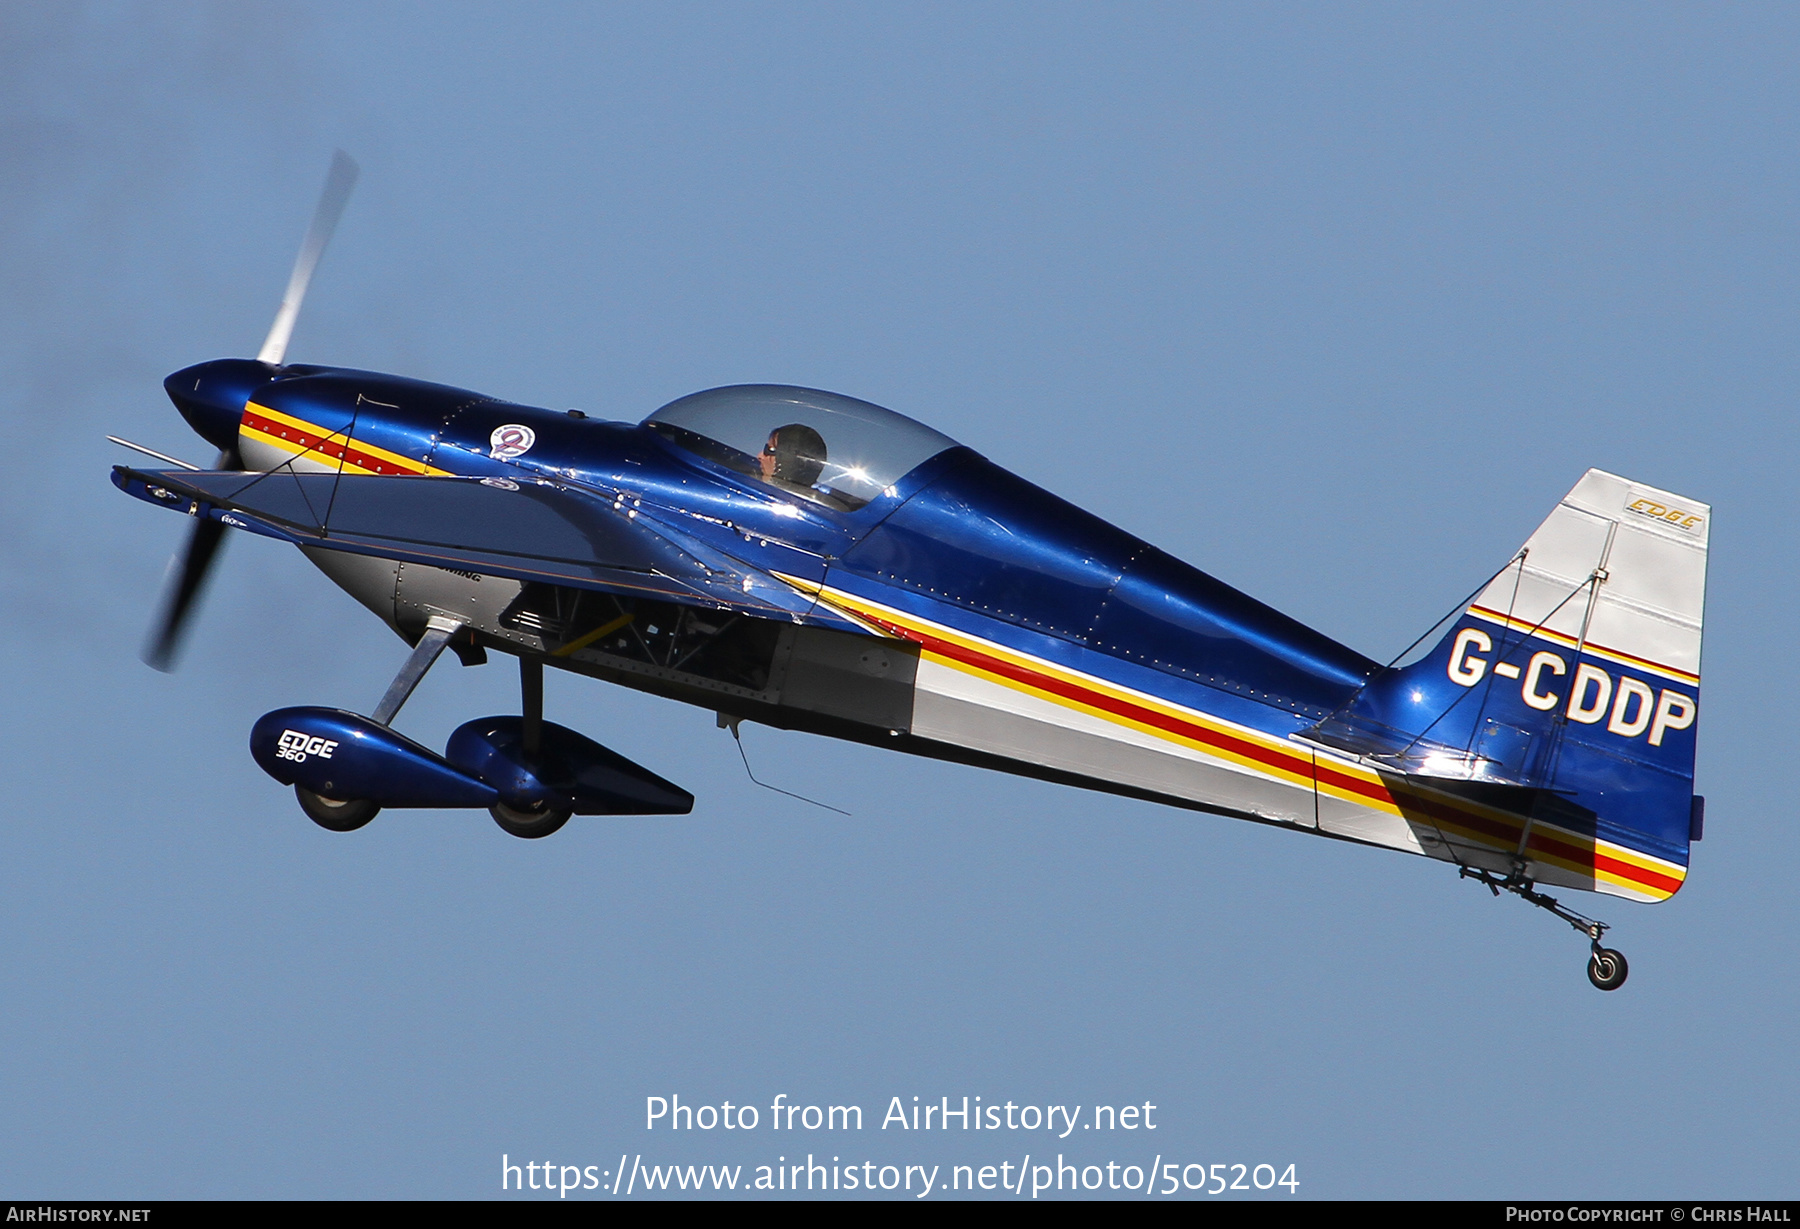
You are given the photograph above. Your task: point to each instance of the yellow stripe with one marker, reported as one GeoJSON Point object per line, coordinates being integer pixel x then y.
{"type": "Point", "coordinates": [846, 603]}
{"type": "Point", "coordinates": [337, 438]}
{"type": "Point", "coordinates": [1589, 847]}
{"type": "Point", "coordinates": [1585, 844]}
{"type": "Point", "coordinates": [1117, 719]}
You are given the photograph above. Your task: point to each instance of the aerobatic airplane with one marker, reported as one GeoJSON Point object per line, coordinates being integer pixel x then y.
{"type": "Point", "coordinates": [815, 562]}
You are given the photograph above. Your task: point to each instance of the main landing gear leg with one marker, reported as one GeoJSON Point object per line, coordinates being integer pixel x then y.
{"type": "Point", "coordinates": [1606, 967]}
{"type": "Point", "coordinates": [531, 706]}
{"type": "Point", "coordinates": [546, 817]}
{"type": "Point", "coordinates": [349, 814]}
{"type": "Point", "coordinates": [438, 631]}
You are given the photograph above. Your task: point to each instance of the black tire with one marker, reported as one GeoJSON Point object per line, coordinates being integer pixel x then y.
{"type": "Point", "coordinates": [1607, 968]}
{"type": "Point", "coordinates": [529, 825]}
{"type": "Point", "coordinates": [335, 815]}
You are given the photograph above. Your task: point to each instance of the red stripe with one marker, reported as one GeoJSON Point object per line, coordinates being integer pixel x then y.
{"type": "Point", "coordinates": [1625, 870]}
{"type": "Point", "coordinates": [1273, 757]}
{"type": "Point", "coordinates": [1503, 831]}
{"type": "Point", "coordinates": [317, 443]}
{"type": "Point", "coordinates": [1508, 833]}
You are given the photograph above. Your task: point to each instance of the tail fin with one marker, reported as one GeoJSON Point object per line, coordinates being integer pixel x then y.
{"type": "Point", "coordinates": [1574, 679]}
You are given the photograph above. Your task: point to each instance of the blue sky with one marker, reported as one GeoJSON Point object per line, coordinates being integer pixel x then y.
{"type": "Point", "coordinates": [1332, 302]}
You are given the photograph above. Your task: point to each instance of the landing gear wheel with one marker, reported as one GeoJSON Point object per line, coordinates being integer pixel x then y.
{"type": "Point", "coordinates": [1607, 968]}
{"type": "Point", "coordinates": [335, 815]}
{"type": "Point", "coordinates": [529, 824]}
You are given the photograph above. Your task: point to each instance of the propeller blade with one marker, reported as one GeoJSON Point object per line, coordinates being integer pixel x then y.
{"type": "Point", "coordinates": [338, 182]}
{"type": "Point", "coordinates": [186, 581]}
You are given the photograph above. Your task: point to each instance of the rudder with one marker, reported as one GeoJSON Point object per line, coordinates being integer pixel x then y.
{"type": "Point", "coordinates": [1573, 678]}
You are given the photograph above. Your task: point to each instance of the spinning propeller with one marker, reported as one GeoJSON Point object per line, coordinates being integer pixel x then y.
{"type": "Point", "coordinates": [189, 570]}
{"type": "Point", "coordinates": [338, 182]}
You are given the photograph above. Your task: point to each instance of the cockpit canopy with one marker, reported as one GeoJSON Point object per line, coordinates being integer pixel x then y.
{"type": "Point", "coordinates": [831, 449]}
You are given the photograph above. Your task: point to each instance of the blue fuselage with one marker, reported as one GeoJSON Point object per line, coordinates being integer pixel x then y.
{"type": "Point", "coordinates": [939, 605]}
{"type": "Point", "coordinates": [958, 539]}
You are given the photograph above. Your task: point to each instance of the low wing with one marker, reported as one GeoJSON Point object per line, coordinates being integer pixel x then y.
{"type": "Point", "coordinates": [528, 530]}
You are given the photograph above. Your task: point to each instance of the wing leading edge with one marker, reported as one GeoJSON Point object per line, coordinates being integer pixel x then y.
{"type": "Point", "coordinates": [533, 530]}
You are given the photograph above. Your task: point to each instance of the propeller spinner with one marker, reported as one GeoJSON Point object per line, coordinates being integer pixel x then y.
{"type": "Point", "coordinates": [211, 397]}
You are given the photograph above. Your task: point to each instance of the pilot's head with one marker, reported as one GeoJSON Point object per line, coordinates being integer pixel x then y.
{"type": "Point", "coordinates": [795, 454]}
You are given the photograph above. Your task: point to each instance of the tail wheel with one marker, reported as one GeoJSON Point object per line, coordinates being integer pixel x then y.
{"type": "Point", "coordinates": [529, 824]}
{"type": "Point", "coordinates": [333, 814]}
{"type": "Point", "coordinates": [1607, 968]}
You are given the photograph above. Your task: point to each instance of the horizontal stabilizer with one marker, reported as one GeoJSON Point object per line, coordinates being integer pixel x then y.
{"type": "Point", "coordinates": [1414, 793]}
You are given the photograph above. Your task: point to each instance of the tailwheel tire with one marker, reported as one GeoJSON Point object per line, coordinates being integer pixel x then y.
{"type": "Point", "coordinates": [529, 824]}
{"type": "Point", "coordinates": [333, 814]}
{"type": "Point", "coordinates": [1607, 968]}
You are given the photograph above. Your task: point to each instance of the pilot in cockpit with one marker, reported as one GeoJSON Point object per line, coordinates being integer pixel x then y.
{"type": "Point", "coordinates": [793, 458]}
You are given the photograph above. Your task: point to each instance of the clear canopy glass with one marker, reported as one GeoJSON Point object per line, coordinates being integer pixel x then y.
{"type": "Point", "coordinates": [828, 448]}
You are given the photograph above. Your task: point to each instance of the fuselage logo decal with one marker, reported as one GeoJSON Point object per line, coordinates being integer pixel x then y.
{"type": "Point", "coordinates": [512, 440]}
